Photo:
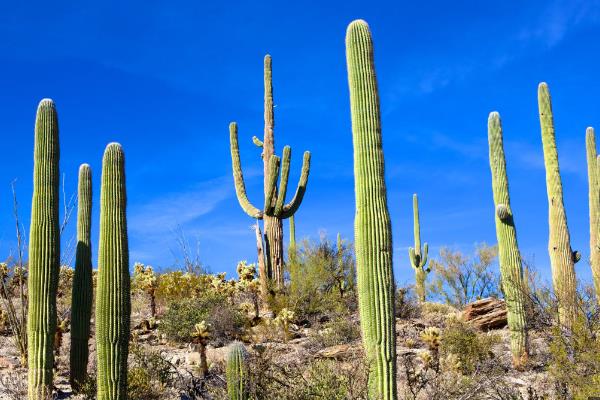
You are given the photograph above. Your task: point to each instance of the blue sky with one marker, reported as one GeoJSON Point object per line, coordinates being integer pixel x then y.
{"type": "Point", "coordinates": [166, 78]}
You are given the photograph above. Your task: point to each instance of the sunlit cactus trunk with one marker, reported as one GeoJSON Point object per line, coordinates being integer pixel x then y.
{"type": "Point", "coordinates": [418, 256]}
{"type": "Point", "coordinates": [44, 253]}
{"type": "Point", "coordinates": [113, 303]}
{"type": "Point", "coordinates": [511, 267]}
{"type": "Point", "coordinates": [594, 204]}
{"type": "Point", "coordinates": [237, 373]}
{"type": "Point", "coordinates": [372, 227]}
{"type": "Point", "coordinates": [82, 294]}
{"type": "Point", "coordinates": [275, 209]}
{"type": "Point", "coordinates": [562, 257]}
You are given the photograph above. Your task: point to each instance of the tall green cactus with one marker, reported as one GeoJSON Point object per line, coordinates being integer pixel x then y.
{"type": "Point", "coordinates": [113, 303]}
{"type": "Point", "coordinates": [44, 253]}
{"type": "Point", "coordinates": [274, 209]}
{"type": "Point", "coordinates": [81, 299]}
{"type": "Point", "coordinates": [418, 256]}
{"type": "Point", "coordinates": [594, 204]}
{"type": "Point", "coordinates": [237, 373]}
{"type": "Point", "coordinates": [372, 227]}
{"type": "Point", "coordinates": [511, 267]}
{"type": "Point", "coordinates": [562, 257]}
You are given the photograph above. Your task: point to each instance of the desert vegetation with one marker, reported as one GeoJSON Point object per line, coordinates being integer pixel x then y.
{"type": "Point", "coordinates": [304, 319]}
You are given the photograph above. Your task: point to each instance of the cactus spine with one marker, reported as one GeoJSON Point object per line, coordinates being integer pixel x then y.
{"type": "Point", "coordinates": [275, 209]}
{"type": "Point", "coordinates": [44, 253]}
{"type": "Point", "coordinates": [418, 256]}
{"type": "Point", "coordinates": [511, 267]}
{"type": "Point", "coordinates": [237, 373]}
{"type": "Point", "coordinates": [594, 201]}
{"type": "Point", "coordinates": [81, 300]}
{"type": "Point", "coordinates": [113, 306]}
{"type": "Point", "coordinates": [562, 257]}
{"type": "Point", "coordinates": [372, 227]}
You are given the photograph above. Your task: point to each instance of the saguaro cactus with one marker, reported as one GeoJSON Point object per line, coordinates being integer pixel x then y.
{"type": "Point", "coordinates": [372, 227]}
{"type": "Point", "coordinates": [418, 256]}
{"type": "Point", "coordinates": [562, 257]}
{"type": "Point", "coordinates": [81, 299]}
{"type": "Point", "coordinates": [237, 373]}
{"type": "Point", "coordinates": [113, 303]}
{"type": "Point", "coordinates": [44, 253]}
{"type": "Point", "coordinates": [594, 201]}
{"type": "Point", "coordinates": [511, 267]}
{"type": "Point", "coordinates": [275, 209]}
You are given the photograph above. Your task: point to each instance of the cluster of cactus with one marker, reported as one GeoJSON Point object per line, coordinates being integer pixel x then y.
{"type": "Point", "coordinates": [418, 256]}
{"type": "Point", "coordinates": [372, 226]}
{"type": "Point", "coordinates": [274, 210]}
{"type": "Point", "coordinates": [511, 268]}
{"type": "Point", "coordinates": [44, 334]}
{"type": "Point", "coordinates": [146, 281]}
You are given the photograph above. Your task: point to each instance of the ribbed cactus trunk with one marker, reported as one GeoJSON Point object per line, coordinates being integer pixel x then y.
{"type": "Point", "coordinates": [237, 373]}
{"type": "Point", "coordinates": [418, 256]}
{"type": "Point", "coordinates": [113, 306]}
{"type": "Point", "coordinates": [82, 294]}
{"type": "Point", "coordinates": [511, 267]}
{"type": "Point", "coordinates": [372, 227]}
{"type": "Point", "coordinates": [275, 210]}
{"type": "Point", "coordinates": [44, 253]}
{"type": "Point", "coordinates": [594, 204]}
{"type": "Point", "coordinates": [562, 257]}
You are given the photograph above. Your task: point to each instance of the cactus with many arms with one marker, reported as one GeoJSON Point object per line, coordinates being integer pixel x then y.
{"type": "Point", "coordinates": [81, 298]}
{"type": "Point", "coordinates": [274, 209]}
{"type": "Point", "coordinates": [44, 253]}
{"type": "Point", "coordinates": [562, 257]}
{"type": "Point", "coordinates": [372, 227]}
{"type": "Point", "coordinates": [418, 256]}
{"type": "Point", "coordinates": [594, 204]}
{"type": "Point", "coordinates": [511, 267]}
{"type": "Point", "coordinates": [237, 372]}
{"type": "Point", "coordinates": [113, 302]}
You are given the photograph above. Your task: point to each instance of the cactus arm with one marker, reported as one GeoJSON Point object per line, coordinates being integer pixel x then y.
{"type": "Point", "coordinates": [238, 176]}
{"type": "Point", "coordinates": [81, 303]}
{"type": "Point", "coordinates": [291, 208]}
{"type": "Point", "coordinates": [511, 267]}
{"type": "Point", "coordinates": [372, 226]}
{"type": "Point", "coordinates": [424, 254]}
{"type": "Point", "coordinates": [283, 182]}
{"type": "Point", "coordinates": [257, 141]}
{"type": "Point", "coordinates": [271, 183]}
{"type": "Point", "coordinates": [44, 253]}
{"type": "Point", "coordinates": [416, 225]}
{"type": "Point", "coordinates": [563, 272]}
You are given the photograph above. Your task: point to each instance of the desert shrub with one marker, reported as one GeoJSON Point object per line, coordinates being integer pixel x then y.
{"type": "Point", "coordinates": [407, 305]}
{"type": "Point", "coordinates": [460, 279]}
{"type": "Point", "coordinates": [338, 331]}
{"type": "Point", "coordinates": [139, 386]}
{"type": "Point", "coordinates": [463, 348]}
{"type": "Point", "coordinates": [322, 280]}
{"type": "Point", "coordinates": [227, 323]}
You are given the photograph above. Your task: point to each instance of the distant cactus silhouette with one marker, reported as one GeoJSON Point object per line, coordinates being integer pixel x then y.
{"type": "Point", "coordinates": [44, 253]}
{"type": "Point", "coordinates": [113, 302]}
{"type": "Point", "coordinates": [372, 227]}
{"type": "Point", "coordinates": [81, 298]}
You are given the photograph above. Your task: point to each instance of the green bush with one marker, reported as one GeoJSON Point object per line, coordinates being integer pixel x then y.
{"type": "Point", "coordinates": [341, 330]}
{"type": "Point", "coordinates": [139, 385]}
{"type": "Point", "coordinates": [227, 323]}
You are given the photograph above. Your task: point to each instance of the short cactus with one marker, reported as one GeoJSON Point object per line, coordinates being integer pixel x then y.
{"type": "Point", "coordinates": [81, 309]}
{"type": "Point", "coordinates": [237, 372]}
{"type": "Point", "coordinates": [562, 257]}
{"type": "Point", "coordinates": [44, 253]}
{"type": "Point", "coordinates": [274, 209]}
{"type": "Point", "coordinates": [594, 202]}
{"type": "Point", "coordinates": [418, 256]}
{"type": "Point", "coordinates": [113, 302]}
{"type": "Point", "coordinates": [372, 227]}
{"type": "Point", "coordinates": [201, 336]}
{"type": "Point", "coordinates": [511, 268]}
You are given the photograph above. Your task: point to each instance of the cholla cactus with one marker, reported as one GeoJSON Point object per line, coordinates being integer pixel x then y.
{"type": "Point", "coordinates": [248, 284]}
{"type": "Point", "coordinates": [431, 336]}
{"type": "Point", "coordinates": [283, 319]}
{"type": "Point", "coordinates": [201, 337]}
{"type": "Point", "coordinates": [145, 280]}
